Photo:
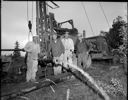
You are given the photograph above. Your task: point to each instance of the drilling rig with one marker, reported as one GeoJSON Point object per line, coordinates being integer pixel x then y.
{"type": "Point", "coordinates": [46, 25]}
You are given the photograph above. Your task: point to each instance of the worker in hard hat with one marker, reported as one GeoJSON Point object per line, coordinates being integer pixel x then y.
{"type": "Point", "coordinates": [33, 49]}
{"type": "Point", "coordinates": [82, 52]}
{"type": "Point", "coordinates": [56, 49]}
{"type": "Point", "coordinates": [69, 49]}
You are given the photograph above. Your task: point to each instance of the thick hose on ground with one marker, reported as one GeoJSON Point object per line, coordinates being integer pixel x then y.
{"type": "Point", "coordinates": [103, 93]}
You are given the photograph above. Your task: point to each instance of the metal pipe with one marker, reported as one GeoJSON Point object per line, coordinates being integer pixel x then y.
{"type": "Point", "coordinates": [11, 49]}
{"type": "Point", "coordinates": [65, 21]}
{"type": "Point", "coordinates": [37, 17]}
{"type": "Point", "coordinates": [55, 4]}
{"type": "Point", "coordinates": [49, 6]}
{"type": "Point", "coordinates": [45, 14]}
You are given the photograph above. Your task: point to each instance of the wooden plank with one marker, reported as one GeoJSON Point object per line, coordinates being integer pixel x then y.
{"type": "Point", "coordinates": [11, 49]}
{"type": "Point", "coordinates": [41, 83]}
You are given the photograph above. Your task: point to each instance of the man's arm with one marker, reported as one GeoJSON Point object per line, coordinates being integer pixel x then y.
{"type": "Point", "coordinates": [28, 47]}
{"type": "Point", "coordinates": [62, 46]}
{"type": "Point", "coordinates": [76, 46]}
{"type": "Point", "coordinates": [87, 45]}
{"type": "Point", "coordinates": [38, 49]}
{"type": "Point", "coordinates": [71, 45]}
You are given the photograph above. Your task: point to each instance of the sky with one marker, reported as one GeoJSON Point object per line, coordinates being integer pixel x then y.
{"type": "Point", "coordinates": [14, 23]}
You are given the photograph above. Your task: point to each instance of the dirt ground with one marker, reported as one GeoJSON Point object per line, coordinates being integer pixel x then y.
{"type": "Point", "coordinates": [80, 91]}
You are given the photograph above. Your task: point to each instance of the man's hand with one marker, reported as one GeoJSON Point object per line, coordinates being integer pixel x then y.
{"type": "Point", "coordinates": [71, 51]}
{"type": "Point", "coordinates": [23, 50]}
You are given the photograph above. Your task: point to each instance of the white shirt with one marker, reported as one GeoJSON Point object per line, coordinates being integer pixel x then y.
{"type": "Point", "coordinates": [32, 49]}
{"type": "Point", "coordinates": [68, 44]}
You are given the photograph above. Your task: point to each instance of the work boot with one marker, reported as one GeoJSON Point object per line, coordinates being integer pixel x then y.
{"type": "Point", "coordinates": [34, 81]}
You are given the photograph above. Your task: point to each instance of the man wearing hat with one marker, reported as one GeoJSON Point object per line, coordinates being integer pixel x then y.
{"type": "Point", "coordinates": [33, 49]}
{"type": "Point", "coordinates": [56, 49]}
{"type": "Point", "coordinates": [82, 52]}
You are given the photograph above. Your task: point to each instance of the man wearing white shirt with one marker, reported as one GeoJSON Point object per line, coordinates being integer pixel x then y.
{"type": "Point", "coordinates": [33, 49]}
{"type": "Point", "coordinates": [69, 49]}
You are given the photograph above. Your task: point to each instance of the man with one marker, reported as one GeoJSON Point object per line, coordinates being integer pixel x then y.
{"type": "Point", "coordinates": [33, 49]}
{"type": "Point", "coordinates": [69, 49]}
{"type": "Point", "coordinates": [82, 52]}
{"type": "Point", "coordinates": [57, 49]}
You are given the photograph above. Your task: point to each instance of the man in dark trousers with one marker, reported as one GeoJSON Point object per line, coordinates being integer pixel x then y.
{"type": "Point", "coordinates": [82, 52]}
{"type": "Point", "coordinates": [56, 49]}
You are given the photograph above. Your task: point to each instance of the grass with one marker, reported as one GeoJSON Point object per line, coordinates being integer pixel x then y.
{"type": "Point", "coordinates": [80, 91]}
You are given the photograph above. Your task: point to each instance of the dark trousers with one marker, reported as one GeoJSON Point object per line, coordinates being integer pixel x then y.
{"type": "Point", "coordinates": [82, 59]}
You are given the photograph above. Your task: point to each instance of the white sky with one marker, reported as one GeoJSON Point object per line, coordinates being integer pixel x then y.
{"type": "Point", "coordinates": [15, 25]}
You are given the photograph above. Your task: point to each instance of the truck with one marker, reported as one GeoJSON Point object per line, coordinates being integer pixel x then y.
{"type": "Point", "coordinates": [100, 50]}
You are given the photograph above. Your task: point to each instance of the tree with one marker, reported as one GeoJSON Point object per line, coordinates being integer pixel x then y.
{"type": "Point", "coordinates": [117, 39]}
{"type": "Point", "coordinates": [124, 47]}
{"type": "Point", "coordinates": [16, 53]}
{"type": "Point", "coordinates": [116, 33]}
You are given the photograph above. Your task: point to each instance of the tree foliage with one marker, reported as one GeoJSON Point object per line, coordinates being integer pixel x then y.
{"type": "Point", "coordinates": [16, 53]}
{"type": "Point", "coordinates": [116, 33]}
{"type": "Point", "coordinates": [117, 39]}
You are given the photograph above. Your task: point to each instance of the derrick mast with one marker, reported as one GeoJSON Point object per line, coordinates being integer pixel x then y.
{"type": "Point", "coordinates": [41, 24]}
{"type": "Point", "coordinates": [44, 24]}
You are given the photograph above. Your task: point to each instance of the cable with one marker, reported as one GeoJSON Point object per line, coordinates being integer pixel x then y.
{"type": "Point", "coordinates": [29, 36]}
{"type": "Point", "coordinates": [87, 18]}
{"type": "Point", "coordinates": [104, 14]}
{"type": "Point", "coordinates": [32, 18]}
{"type": "Point", "coordinates": [27, 11]}
{"type": "Point", "coordinates": [32, 12]}
{"type": "Point", "coordinates": [47, 8]}
{"type": "Point", "coordinates": [29, 22]}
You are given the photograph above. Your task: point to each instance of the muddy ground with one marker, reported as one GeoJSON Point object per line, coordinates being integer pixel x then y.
{"type": "Point", "coordinates": [79, 90]}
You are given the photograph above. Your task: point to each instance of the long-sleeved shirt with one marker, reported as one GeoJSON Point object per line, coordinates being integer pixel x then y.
{"type": "Point", "coordinates": [81, 46]}
{"type": "Point", "coordinates": [68, 44]}
{"type": "Point", "coordinates": [32, 49]}
{"type": "Point", "coordinates": [56, 47]}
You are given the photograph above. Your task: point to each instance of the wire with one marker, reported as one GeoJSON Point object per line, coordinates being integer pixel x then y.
{"type": "Point", "coordinates": [27, 10]}
{"type": "Point", "coordinates": [32, 18]}
{"type": "Point", "coordinates": [88, 18]}
{"type": "Point", "coordinates": [47, 8]}
{"type": "Point", "coordinates": [104, 14]}
{"type": "Point", "coordinates": [32, 12]}
{"type": "Point", "coordinates": [30, 32]}
{"type": "Point", "coordinates": [28, 20]}
{"type": "Point", "coordinates": [28, 36]}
